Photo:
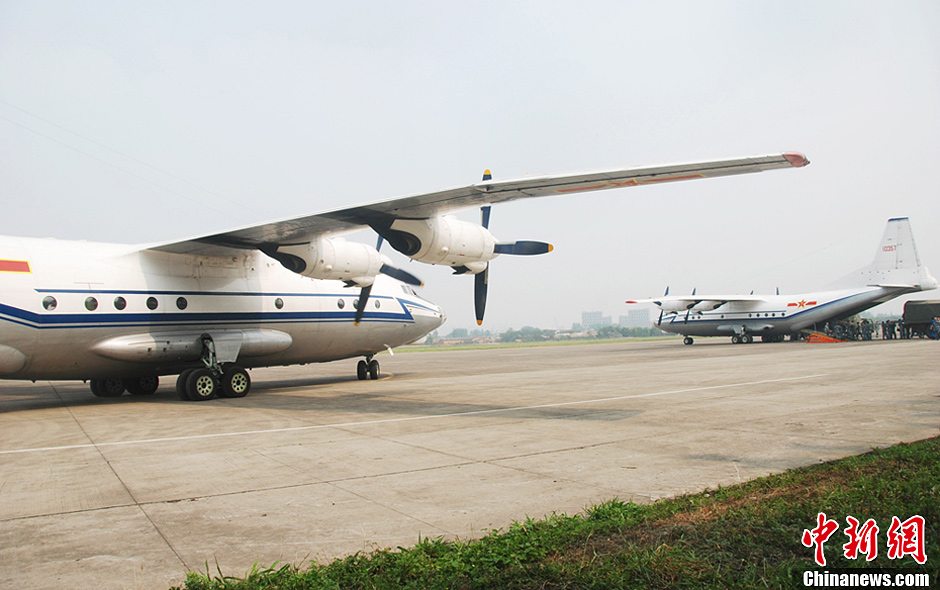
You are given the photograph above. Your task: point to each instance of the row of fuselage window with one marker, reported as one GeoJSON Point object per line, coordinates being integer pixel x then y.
{"type": "Point", "coordinates": [766, 315]}
{"type": "Point", "coordinates": [49, 303]}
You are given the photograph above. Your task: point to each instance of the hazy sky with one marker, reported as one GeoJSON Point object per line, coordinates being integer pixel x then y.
{"type": "Point", "coordinates": [140, 122]}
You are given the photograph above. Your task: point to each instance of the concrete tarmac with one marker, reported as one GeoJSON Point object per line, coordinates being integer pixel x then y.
{"type": "Point", "coordinates": [134, 492]}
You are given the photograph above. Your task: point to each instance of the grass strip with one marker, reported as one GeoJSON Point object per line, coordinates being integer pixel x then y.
{"type": "Point", "coordinates": [745, 536]}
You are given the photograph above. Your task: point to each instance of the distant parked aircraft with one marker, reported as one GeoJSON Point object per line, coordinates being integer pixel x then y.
{"type": "Point", "coordinates": [896, 270]}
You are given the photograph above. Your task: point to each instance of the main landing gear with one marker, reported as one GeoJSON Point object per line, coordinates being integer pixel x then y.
{"type": "Point", "coordinates": [205, 383]}
{"type": "Point", "coordinates": [742, 338]}
{"type": "Point", "coordinates": [368, 368]}
{"type": "Point", "coordinates": [687, 341]}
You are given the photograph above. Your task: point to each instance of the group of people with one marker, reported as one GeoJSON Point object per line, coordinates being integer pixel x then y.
{"type": "Point", "coordinates": [888, 330]}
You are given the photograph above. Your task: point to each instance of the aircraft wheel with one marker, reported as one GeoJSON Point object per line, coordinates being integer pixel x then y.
{"type": "Point", "coordinates": [181, 384]}
{"type": "Point", "coordinates": [746, 338]}
{"type": "Point", "coordinates": [374, 369]}
{"type": "Point", "coordinates": [143, 385]}
{"type": "Point", "coordinates": [687, 341]}
{"type": "Point", "coordinates": [735, 339]}
{"type": "Point", "coordinates": [235, 381]}
{"type": "Point", "coordinates": [108, 387]}
{"type": "Point", "coordinates": [362, 370]}
{"type": "Point", "coordinates": [201, 385]}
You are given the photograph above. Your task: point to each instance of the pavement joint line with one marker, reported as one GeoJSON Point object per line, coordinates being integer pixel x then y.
{"type": "Point", "coordinates": [400, 420]}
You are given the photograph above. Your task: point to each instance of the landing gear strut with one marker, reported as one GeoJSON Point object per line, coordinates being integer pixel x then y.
{"type": "Point", "coordinates": [368, 369]}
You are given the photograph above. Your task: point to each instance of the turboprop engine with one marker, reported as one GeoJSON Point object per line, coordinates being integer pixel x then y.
{"type": "Point", "coordinates": [335, 259]}
{"type": "Point", "coordinates": [466, 247]}
{"type": "Point", "coordinates": [443, 240]}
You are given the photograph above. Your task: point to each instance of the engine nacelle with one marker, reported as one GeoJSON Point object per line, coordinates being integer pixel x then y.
{"type": "Point", "coordinates": [333, 259]}
{"type": "Point", "coordinates": [443, 240]}
{"type": "Point", "coordinates": [675, 305]}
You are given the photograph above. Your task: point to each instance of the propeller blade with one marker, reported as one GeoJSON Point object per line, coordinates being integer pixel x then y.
{"type": "Point", "coordinates": [659, 322]}
{"type": "Point", "coordinates": [485, 214]}
{"type": "Point", "coordinates": [363, 298]}
{"type": "Point", "coordinates": [524, 248]}
{"type": "Point", "coordinates": [687, 312]}
{"type": "Point", "coordinates": [378, 243]}
{"type": "Point", "coordinates": [479, 293]}
{"type": "Point", "coordinates": [401, 275]}
{"type": "Point", "coordinates": [667, 291]}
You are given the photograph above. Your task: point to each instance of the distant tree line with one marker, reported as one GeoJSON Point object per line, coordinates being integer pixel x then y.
{"type": "Point", "coordinates": [530, 334]}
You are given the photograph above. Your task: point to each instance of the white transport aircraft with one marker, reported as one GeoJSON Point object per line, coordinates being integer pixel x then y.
{"type": "Point", "coordinates": [279, 293]}
{"type": "Point", "coordinates": [896, 270]}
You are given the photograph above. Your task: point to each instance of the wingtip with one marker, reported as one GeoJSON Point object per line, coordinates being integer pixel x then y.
{"type": "Point", "coordinates": [796, 159]}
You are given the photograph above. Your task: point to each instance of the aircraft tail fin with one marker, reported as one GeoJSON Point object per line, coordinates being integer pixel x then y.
{"type": "Point", "coordinates": [896, 262]}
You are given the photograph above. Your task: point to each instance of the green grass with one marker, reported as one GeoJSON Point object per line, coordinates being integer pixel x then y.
{"type": "Point", "coordinates": [746, 536]}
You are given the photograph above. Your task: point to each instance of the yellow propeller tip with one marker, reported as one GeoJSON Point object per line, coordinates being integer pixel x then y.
{"type": "Point", "coordinates": [550, 247]}
{"type": "Point", "coordinates": [479, 322]}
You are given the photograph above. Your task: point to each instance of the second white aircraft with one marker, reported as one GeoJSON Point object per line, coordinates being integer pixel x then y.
{"type": "Point", "coordinates": [896, 270]}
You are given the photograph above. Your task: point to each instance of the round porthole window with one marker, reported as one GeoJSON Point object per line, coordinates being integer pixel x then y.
{"type": "Point", "coordinates": [279, 303]}
{"type": "Point", "coordinates": [49, 303]}
{"type": "Point", "coordinates": [378, 304]}
{"type": "Point", "coordinates": [181, 302]}
{"type": "Point", "coordinates": [120, 303]}
{"type": "Point", "coordinates": [152, 303]}
{"type": "Point", "coordinates": [91, 304]}
{"type": "Point", "coordinates": [340, 303]}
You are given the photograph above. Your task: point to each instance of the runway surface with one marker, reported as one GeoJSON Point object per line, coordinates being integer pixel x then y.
{"type": "Point", "coordinates": [314, 464]}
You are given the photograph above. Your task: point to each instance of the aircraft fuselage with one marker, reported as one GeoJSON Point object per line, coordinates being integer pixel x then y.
{"type": "Point", "coordinates": [82, 310]}
{"type": "Point", "coordinates": [777, 315]}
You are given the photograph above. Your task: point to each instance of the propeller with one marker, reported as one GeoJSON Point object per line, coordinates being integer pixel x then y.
{"type": "Point", "coordinates": [661, 310]}
{"type": "Point", "coordinates": [688, 310]}
{"type": "Point", "coordinates": [388, 270]}
{"type": "Point", "coordinates": [481, 279]}
{"type": "Point", "coordinates": [518, 248]}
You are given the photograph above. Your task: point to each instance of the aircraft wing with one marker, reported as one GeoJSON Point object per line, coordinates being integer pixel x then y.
{"type": "Point", "coordinates": [303, 229]}
{"type": "Point", "coordinates": [692, 300]}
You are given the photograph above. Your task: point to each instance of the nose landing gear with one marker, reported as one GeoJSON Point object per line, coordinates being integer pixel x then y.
{"type": "Point", "coordinates": [368, 368]}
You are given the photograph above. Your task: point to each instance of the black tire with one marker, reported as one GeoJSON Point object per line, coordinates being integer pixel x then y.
{"type": "Point", "coordinates": [374, 369]}
{"type": "Point", "coordinates": [747, 338]}
{"type": "Point", "coordinates": [108, 387]}
{"type": "Point", "coordinates": [143, 385]}
{"type": "Point", "coordinates": [235, 382]}
{"type": "Point", "coordinates": [201, 385]}
{"type": "Point", "coordinates": [687, 341]}
{"type": "Point", "coordinates": [181, 385]}
{"type": "Point", "coordinates": [362, 370]}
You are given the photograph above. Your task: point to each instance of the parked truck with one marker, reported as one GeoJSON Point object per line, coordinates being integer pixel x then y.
{"type": "Point", "coordinates": [920, 318]}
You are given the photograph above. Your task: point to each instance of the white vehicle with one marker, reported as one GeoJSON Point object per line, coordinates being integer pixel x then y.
{"type": "Point", "coordinates": [896, 270]}
{"type": "Point", "coordinates": [280, 293]}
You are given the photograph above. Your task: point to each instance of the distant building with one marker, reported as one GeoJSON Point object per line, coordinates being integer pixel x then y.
{"type": "Point", "coordinates": [595, 319]}
{"type": "Point", "coordinates": [636, 318]}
